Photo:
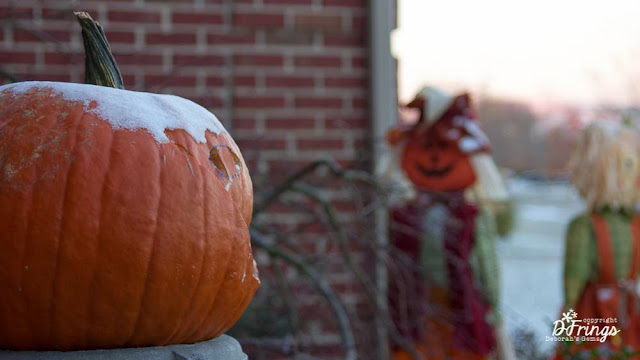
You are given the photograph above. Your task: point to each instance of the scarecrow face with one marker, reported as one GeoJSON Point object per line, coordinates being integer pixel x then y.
{"type": "Point", "coordinates": [605, 166]}
{"type": "Point", "coordinates": [628, 169]}
{"type": "Point", "coordinates": [433, 162]}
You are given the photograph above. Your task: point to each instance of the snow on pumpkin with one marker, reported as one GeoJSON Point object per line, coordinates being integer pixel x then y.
{"type": "Point", "coordinates": [133, 110]}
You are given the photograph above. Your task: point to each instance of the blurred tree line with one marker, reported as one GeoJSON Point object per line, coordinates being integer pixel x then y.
{"type": "Point", "coordinates": [523, 142]}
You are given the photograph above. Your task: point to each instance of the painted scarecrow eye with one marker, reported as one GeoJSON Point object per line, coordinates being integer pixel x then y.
{"type": "Point", "coordinates": [628, 163]}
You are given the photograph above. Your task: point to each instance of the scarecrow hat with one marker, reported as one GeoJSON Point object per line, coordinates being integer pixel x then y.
{"type": "Point", "coordinates": [452, 114]}
{"type": "Point", "coordinates": [432, 103]}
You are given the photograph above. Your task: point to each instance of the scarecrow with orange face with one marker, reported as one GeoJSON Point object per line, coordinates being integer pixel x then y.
{"type": "Point", "coordinates": [444, 297]}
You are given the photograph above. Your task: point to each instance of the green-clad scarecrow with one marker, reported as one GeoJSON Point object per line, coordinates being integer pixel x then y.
{"type": "Point", "coordinates": [602, 245]}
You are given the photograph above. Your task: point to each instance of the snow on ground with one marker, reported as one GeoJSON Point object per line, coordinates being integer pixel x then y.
{"type": "Point", "coordinates": [531, 257]}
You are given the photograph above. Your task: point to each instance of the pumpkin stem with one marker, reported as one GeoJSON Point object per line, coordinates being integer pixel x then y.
{"type": "Point", "coordinates": [100, 68]}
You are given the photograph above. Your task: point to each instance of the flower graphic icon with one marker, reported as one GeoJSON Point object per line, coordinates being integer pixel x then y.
{"type": "Point", "coordinates": [569, 316]}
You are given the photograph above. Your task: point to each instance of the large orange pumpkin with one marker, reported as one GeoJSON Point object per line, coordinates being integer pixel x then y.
{"type": "Point", "coordinates": [123, 220]}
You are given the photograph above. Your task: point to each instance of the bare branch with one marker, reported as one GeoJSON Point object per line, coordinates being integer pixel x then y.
{"type": "Point", "coordinates": [361, 276]}
{"type": "Point", "coordinates": [308, 169]}
{"type": "Point", "coordinates": [320, 283]}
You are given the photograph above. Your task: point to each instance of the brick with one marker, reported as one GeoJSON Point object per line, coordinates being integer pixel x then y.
{"type": "Point", "coordinates": [359, 103]}
{"type": "Point", "coordinates": [58, 58]}
{"type": "Point", "coordinates": [36, 35]}
{"type": "Point", "coordinates": [345, 40]}
{"type": "Point", "coordinates": [197, 18]}
{"type": "Point", "coordinates": [315, 228]}
{"type": "Point", "coordinates": [319, 61]}
{"type": "Point", "coordinates": [280, 208]}
{"type": "Point", "coordinates": [60, 77]}
{"type": "Point", "coordinates": [359, 23]}
{"type": "Point", "coordinates": [121, 37]}
{"type": "Point", "coordinates": [15, 13]}
{"type": "Point", "coordinates": [138, 59]}
{"type": "Point", "coordinates": [198, 60]}
{"type": "Point", "coordinates": [139, 17]}
{"type": "Point", "coordinates": [360, 62]}
{"type": "Point", "coordinates": [346, 82]}
{"type": "Point", "coordinates": [362, 144]}
{"type": "Point", "coordinates": [215, 81]}
{"type": "Point", "coordinates": [288, 37]}
{"type": "Point", "coordinates": [351, 287]}
{"type": "Point", "coordinates": [258, 60]}
{"type": "Point", "coordinates": [63, 13]}
{"type": "Point", "coordinates": [235, 38]}
{"type": "Point", "coordinates": [318, 21]}
{"type": "Point", "coordinates": [211, 102]}
{"type": "Point", "coordinates": [285, 166]}
{"type": "Point", "coordinates": [17, 57]}
{"type": "Point", "coordinates": [320, 144]}
{"type": "Point", "coordinates": [244, 123]}
{"type": "Point", "coordinates": [258, 20]}
{"type": "Point", "coordinates": [170, 80]}
{"type": "Point", "coordinates": [361, 4]}
{"type": "Point", "coordinates": [318, 102]}
{"type": "Point", "coordinates": [289, 81]}
{"type": "Point", "coordinates": [287, 2]}
{"type": "Point", "coordinates": [128, 80]}
{"type": "Point", "coordinates": [283, 123]}
{"type": "Point", "coordinates": [346, 123]}
{"type": "Point", "coordinates": [253, 102]}
{"type": "Point", "coordinates": [344, 206]}
{"type": "Point", "coordinates": [27, 36]}
{"type": "Point", "coordinates": [171, 39]}
{"type": "Point", "coordinates": [244, 80]}
{"type": "Point", "coordinates": [261, 143]}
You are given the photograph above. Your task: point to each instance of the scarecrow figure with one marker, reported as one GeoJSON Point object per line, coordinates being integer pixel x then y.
{"type": "Point", "coordinates": [603, 244]}
{"type": "Point", "coordinates": [444, 296]}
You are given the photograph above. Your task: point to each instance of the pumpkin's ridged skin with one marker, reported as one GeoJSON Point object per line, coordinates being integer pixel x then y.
{"type": "Point", "coordinates": [108, 238]}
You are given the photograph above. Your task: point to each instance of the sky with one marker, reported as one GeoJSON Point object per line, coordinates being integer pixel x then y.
{"type": "Point", "coordinates": [545, 51]}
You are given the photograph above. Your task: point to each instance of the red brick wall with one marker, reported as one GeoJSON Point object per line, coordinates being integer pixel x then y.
{"type": "Point", "coordinates": [288, 78]}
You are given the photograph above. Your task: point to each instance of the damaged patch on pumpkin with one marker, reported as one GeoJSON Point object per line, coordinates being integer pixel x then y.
{"type": "Point", "coordinates": [218, 163]}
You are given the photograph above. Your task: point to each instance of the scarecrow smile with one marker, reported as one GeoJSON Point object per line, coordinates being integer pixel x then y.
{"type": "Point", "coordinates": [435, 172]}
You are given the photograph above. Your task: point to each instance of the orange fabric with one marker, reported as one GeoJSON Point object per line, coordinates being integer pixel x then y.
{"type": "Point", "coordinates": [631, 334]}
{"type": "Point", "coordinates": [593, 304]}
{"type": "Point", "coordinates": [437, 341]}
{"type": "Point", "coordinates": [423, 314]}
{"type": "Point", "coordinates": [436, 354]}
